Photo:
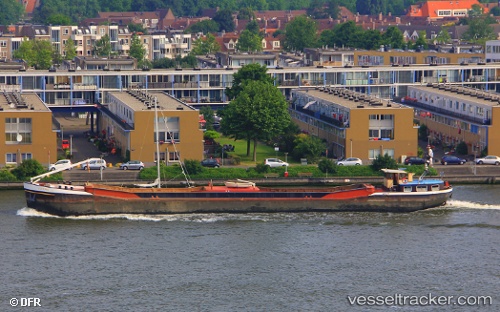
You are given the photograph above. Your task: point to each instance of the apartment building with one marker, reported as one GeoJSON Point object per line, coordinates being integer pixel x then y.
{"type": "Point", "coordinates": [355, 125]}
{"type": "Point", "coordinates": [128, 118]}
{"type": "Point", "coordinates": [455, 114]}
{"type": "Point", "coordinates": [29, 132]}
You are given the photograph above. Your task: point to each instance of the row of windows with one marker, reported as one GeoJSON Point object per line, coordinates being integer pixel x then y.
{"type": "Point", "coordinates": [381, 134]}
{"type": "Point", "coordinates": [12, 158]}
{"type": "Point", "coordinates": [381, 117]}
{"type": "Point", "coordinates": [17, 130]}
{"type": "Point", "coordinates": [374, 153]}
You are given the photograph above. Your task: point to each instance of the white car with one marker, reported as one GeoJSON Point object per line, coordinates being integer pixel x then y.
{"type": "Point", "coordinates": [61, 164]}
{"type": "Point", "coordinates": [488, 160]}
{"type": "Point", "coordinates": [94, 164]}
{"type": "Point", "coordinates": [275, 162]}
{"type": "Point", "coordinates": [351, 161]}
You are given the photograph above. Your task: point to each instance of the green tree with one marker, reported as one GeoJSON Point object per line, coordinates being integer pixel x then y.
{"type": "Point", "coordinates": [225, 20]}
{"type": "Point", "coordinates": [253, 27]}
{"type": "Point", "coordinates": [27, 169]}
{"type": "Point", "coordinates": [479, 30]}
{"type": "Point", "coordinates": [249, 42]}
{"type": "Point", "coordinates": [11, 13]}
{"type": "Point", "coordinates": [371, 39]}
{"type": "Point", "coordinates": [307, 146]}
{"type": "Point", "coordinates": [348, 34]}
{"type": "Point", "coordinates": [300, 33]}
{"type": "Point", "coordinates": [26, 52]}
{"type": "Point", "coordinates": [205, 26]}
{"type": "Point", "coordinates": [259, 112]}
{"type": "Point", "coordinates": [393, 37]}
{"type": "Point", "coordinates": [207, 45]}
{"type": "Point", "coordinates": [421, 41]}
{"type": "Point", "coordinates": [36, 53]}
{"type": "Point", "coordinates": [70, 49]}
{"type": "Point", "coordinates": [137, 28]}
{"type": "Point", "coordinates": [443, 36]}
{"type": "Point", "coordinates": [58, 19]}
{"type": "Point", "coordinates": [327, 166]}
{"type": "Point", "coordinates": [246, 73]}
{"type": "Point", "coordinates": [246, 14]}
{"type": "Point", "coordinates": [137, 50]}
{"type": "Point", "coordinates": [102, 47]}
{"type": "Point", "coordinates": [382, 162]}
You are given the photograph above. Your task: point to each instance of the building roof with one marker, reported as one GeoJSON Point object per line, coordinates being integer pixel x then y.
{"type": "Point", "coordinates": [463, 93]}
{"type": "Point", "coordinates": [350, 99]}
{"type": "Point", "coordinates": [21, 102]}
{"type": "Point", "coordinates": [430, 8]}
{"type": "Point", "coordinates": [132, 99]}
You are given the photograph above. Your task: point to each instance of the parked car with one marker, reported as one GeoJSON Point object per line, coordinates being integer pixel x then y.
{"type": "Point", "coordinates": [61, 164]}
{"type": "Point", "coordinates": [94, 164]}
{"type": "Point", "coordinates": [452, 160]}
{"type": "Point", "coordinates": [351, 161]}
{"type": "Point", "coordinates": [210, 162]}
{"type": "Point", "coordinates": [65, 144]}
{"type": "Point", "coordinates": [133, 165]}
{"type": "Point", "coordinates": [275, 162]}
{"type": "Point", "coordinates": [414, 160]}
{"type": "Point", "coordinates": [489, 160]}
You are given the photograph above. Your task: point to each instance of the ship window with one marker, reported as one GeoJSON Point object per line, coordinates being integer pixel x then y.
{"type": "Point", "coordinates": [407, 189]}
{"type": "Point", "coordinates": [421, 188]}
{"type": "Point", "coordinates": [435, 187]}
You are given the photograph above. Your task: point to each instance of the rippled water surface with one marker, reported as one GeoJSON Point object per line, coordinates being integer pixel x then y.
{"type": "Point", "coordinates": [254, 262]}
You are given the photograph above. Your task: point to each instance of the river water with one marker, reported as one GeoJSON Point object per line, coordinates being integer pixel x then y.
{"type": "Point", "coordinates": [262, 262]}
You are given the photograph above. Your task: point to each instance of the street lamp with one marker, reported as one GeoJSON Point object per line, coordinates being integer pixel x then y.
{"type": "Point", "coordinates": [62, 133]}
{"type": "Point", "coordinates": [351, 147]}
{"type": "Point", "coordinates": [71, 146]}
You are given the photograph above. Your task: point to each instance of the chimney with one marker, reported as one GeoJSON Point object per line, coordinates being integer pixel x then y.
{"type": "Point", "coordinates": [380, 16]}
{"type": "Point", "coordinates": [357, 19]}
{"type": "Point", "coordinates": [398, 20]}
{"type": "Point", "coordinates": [265, 23]}
{"type": "Point", "coordinates": [279, 23]}
{"type": "Point", "coordinates": [236, 22]}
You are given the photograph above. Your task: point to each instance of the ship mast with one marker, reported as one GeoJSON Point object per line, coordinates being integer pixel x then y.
{"type": "Point", "coordinates": [157, 143]}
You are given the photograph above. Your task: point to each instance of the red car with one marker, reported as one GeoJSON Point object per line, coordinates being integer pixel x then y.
{"type": "Point", "coordinates": [65, 144]}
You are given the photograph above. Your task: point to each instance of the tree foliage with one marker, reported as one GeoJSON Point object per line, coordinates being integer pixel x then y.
{"type": "Point", "coordinates": [225, 20]}
{"type": "Point", "coordinates": [11, 12]}
{"type": "Point", "coordinates": [246, 73]}
{"type": "Point", "coordinates": [382, 162]}
{"type": "Point", "coordinates": [137, 50]}
{"type": "Point", "coordinates": [258, 112]}
{"type": "Point", "coordinates": [326, 165]}
{"type": "Point", "coordinates": [205, 27]}
{"type": "Point", "coordinates": [27, 169]}
{"type": "Point", "coordinates": [300, 33]}
{"type": "Point", "coordinates": [36, 53]}
{"type": "Point", "coordinates": [70, 49]}
{"type": "Point", "coordinates": [206, 45]}
{"type": "Point", "coordinates": [249, 42]}
{"type": "Point", "coordinates": [102, 47]}
{"type": "Point", "coordinates": [309, 147]}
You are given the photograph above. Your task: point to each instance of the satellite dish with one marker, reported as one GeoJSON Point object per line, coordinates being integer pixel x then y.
{"type": "Point", "coordinates": [19, 138]}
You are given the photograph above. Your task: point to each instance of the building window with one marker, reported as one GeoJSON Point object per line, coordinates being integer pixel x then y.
{"type": "Point", "coordinates": [173, 156]}
{"type": "Point", "coordinates": [3, 43]}
{"type": "Point", "coordinates": [10, 158]}
{"type": "Point", "coordinates": [168, 130]}
{"type": "Point", "coordinates": [373, 133]}
{"type": "Point", "coordinates": [25, 156]}
{"type": "Point", "coordinates": [17, 130]}
{"type": "Point", "coordinates": [373, 153]}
